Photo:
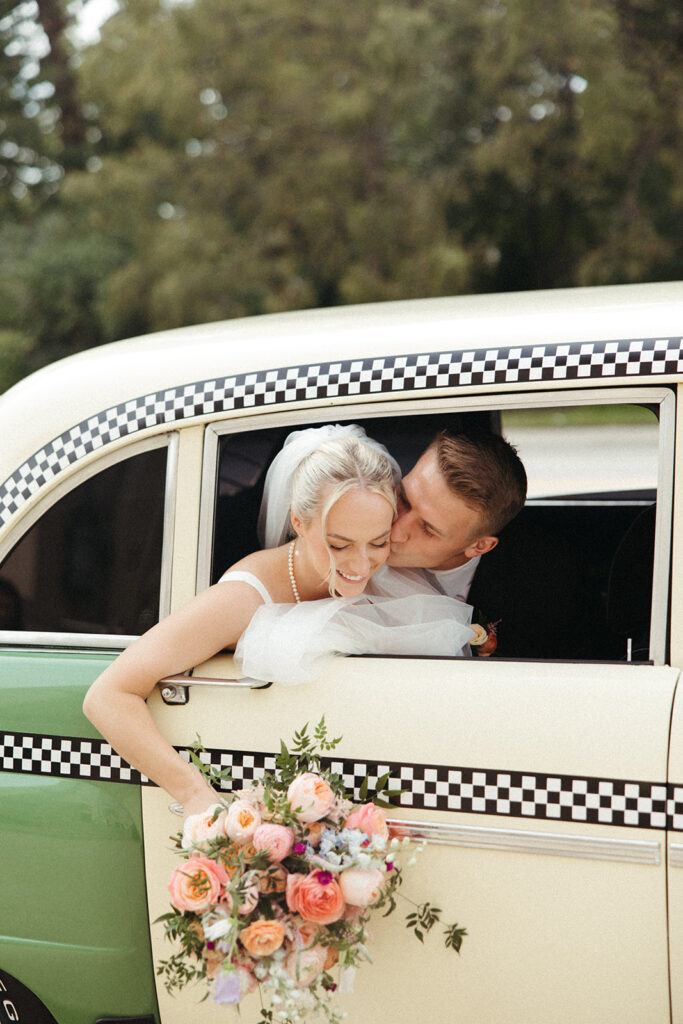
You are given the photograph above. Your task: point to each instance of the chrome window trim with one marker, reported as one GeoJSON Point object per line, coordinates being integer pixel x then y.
{"type": "Point", "coordinates": [18, 640]}
{"type": "Point", "coordinates": [44, 640]}
{"type": "Point", "coordinates": [662, 396]}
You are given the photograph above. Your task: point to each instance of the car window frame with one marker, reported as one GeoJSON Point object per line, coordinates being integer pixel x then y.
{"type": "Point", "coordinates": [41, 639]}
{"type": "Point", "coordinates": [662, 396]}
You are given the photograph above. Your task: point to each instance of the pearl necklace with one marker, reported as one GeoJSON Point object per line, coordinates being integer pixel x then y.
{"type": "Point", "coordinates": [290, 565]}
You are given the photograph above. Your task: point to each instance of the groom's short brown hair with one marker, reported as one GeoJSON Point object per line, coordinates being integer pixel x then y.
{"type": "Point", "coordinates": [485, 471]}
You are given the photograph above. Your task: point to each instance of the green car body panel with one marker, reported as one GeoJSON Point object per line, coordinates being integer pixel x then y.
{"type": "Point", "coordinates": [76, 934]}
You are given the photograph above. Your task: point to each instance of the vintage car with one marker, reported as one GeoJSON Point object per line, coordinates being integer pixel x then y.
{"type": "Point", "coordinates": [547, 779]}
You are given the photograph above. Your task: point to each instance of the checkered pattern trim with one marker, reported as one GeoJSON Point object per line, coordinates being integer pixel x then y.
{"type": "Point", "coordinates": [390, 374]}
{"type": "Point", "coordinates": [64, 757]}
{"type": "Point", "coordinates": [433, 787]}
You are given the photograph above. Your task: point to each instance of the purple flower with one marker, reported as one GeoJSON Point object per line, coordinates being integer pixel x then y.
{"type": "Point", "coordinates": [390, 865]}
{"type": "Point", "coordinates": [299, 849]}
{"type": "Point", "coordinates": [228, 988]}
{"type": "Point", "coordinates": [324, 877]}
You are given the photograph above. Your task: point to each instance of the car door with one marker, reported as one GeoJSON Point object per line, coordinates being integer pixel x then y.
{"type": "Point", "coordinates": [539, 785]}
{"type": "Point", "coordinates": [83, 578]}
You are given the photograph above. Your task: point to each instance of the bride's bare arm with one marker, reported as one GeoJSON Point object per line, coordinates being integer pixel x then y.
{"type": "Point", "coordinates": [115, 703]}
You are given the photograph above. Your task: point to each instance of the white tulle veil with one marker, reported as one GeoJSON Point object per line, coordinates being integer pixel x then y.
{"type": "Point", "coordinates": [274, 525]}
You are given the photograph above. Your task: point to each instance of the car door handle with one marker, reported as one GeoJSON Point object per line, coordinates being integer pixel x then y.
{"type": "Point", "coordinates": [175, 689]}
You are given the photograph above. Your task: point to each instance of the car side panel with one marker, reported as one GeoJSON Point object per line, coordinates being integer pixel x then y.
{"type": "Point", "coordinates": [73, 928]}
{"type": "Point", "coordinates": [566, 917]}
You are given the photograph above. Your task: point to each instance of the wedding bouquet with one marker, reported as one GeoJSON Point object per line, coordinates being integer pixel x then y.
{"type": "Point", "coordinates": [276, 888]}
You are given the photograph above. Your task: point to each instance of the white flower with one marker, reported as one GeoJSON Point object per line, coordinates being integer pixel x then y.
{"type": "Point", "coordinates": [218, 929]}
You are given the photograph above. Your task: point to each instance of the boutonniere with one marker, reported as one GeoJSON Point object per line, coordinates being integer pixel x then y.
{"type": "Point", "coordinates": [486, 638]}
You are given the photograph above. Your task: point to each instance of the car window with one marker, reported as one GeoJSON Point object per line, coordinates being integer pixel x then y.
{"type": "Point", "coordinates": [92, 562]}
{"type": "Point", "coordinates": [572, 576]}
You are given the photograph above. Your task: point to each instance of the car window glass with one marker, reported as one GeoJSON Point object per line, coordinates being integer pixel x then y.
{"type": "Point", "coordinates": [92, 562]}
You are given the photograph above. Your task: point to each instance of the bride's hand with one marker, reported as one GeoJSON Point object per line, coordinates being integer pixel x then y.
{"type": "Point", "coordinates": [200, 799]}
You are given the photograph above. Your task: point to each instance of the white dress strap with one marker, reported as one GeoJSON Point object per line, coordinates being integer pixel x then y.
{"type": "Point", "coordinates": [247, 577]}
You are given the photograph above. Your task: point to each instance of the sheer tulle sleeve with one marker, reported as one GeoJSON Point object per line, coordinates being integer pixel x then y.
{"type": "Point", "coordinates": [291, 644]}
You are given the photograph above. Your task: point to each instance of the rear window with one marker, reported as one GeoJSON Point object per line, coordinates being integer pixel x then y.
{"type": "Point", "coordinates": [92, 562]}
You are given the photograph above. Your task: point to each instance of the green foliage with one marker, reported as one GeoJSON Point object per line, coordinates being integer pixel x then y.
{"type": "Point", "coordinates": [220, 160]}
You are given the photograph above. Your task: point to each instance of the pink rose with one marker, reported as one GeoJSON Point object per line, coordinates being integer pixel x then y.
{"type": "Point", "coordinates": [242, 821]}
{"type": "Point", "coordinates": [310, 797]}
{"type": "Point", "coordinates": [369, 819]}
{"type": "Point", "coordinates": [278, 840]}
{"type": "Point", "coordinates": [201, 827]}
{"type": "Point", "coordinates": [197, 884]}
{"type": "Point", "coordinates": [304, 965]}
{"type": "Point", "coordinates": [316, 897]}
{"type": "Point", "coordinates": [361, 886]}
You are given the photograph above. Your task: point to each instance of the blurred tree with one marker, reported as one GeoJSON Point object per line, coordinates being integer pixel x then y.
{"type": "Point", "coordinates": [231, 159]}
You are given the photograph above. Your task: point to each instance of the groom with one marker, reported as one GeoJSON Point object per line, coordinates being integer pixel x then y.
{"type": "Point", "coordinates": [454, 507]}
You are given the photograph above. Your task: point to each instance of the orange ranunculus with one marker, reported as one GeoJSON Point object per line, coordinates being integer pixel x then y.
{"type": "Point", "coordinates": [262, 938]}
{"type": "Point", "coordinates": [316, 897]}
{"type": "Point", "coordinates": [197, 884]}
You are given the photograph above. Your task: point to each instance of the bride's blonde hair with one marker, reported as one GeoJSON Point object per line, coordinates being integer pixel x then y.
{"type": "Point", "coordinates": [335, 467]}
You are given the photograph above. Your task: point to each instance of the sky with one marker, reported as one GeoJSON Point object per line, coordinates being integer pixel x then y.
{"type": "Point", "coordinates": [94, 14]}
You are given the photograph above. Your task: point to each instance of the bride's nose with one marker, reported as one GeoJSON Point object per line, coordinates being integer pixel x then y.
{"type": "Point", "coordinates": [361, 563]}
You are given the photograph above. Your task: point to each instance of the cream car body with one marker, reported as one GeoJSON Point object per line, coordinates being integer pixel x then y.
{"type": "Point", "coordinates": [550, 791]}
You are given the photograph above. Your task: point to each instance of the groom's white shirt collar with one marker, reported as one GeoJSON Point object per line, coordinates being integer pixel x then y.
{"type": "Point", "coordinates": [402, 582]}
{"type": "Point", "coordinates": [455, 582]}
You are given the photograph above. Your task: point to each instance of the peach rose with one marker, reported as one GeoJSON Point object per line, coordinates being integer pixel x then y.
{"type": "Point", "coordinates": [310, 797]}
{"type": "Point", "coordinates": [262, 938]}
{"type": "Point", "coordinates": [278, 840]}
{"type": "Point", "coordinates": [316, 897]}
{"type": "Point", "coordinates": [303, 965]}
{"type": "Point", "coordinates": [199, 828]}
{"type": "Point", "coordinates": [361, 886]}
{"type": "Point", "coordinates": [369, 819]}
{"type": "Point", "coordinates": [313, 832]}
{"type": "Point", "coordinates": [197, 884]}
{"type": "Point", "coordinates": [242, 821]}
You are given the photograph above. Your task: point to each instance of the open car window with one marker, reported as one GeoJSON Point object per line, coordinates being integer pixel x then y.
{"type": "Point", "coordinates": [573, 575]}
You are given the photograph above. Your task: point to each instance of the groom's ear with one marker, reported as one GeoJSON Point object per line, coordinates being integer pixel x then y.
{"type": "Point", "coordinates": [481, 546]}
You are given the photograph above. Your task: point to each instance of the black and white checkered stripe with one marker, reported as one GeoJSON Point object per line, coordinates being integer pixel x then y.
{"type": "Point", "coordinates": [358, 377]}
{"type": "Point", "coordinates": [597, 801]}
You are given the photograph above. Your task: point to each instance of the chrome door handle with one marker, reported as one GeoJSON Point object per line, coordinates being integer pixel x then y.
{"type": "Point", "coordinates": [175, 689]}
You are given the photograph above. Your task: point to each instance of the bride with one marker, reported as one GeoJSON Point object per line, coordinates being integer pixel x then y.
{"type": "Point", "coordinates": [287, 608]}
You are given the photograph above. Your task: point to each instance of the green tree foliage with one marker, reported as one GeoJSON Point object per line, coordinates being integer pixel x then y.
{"type": "Point", "coordinates": [226, 159]}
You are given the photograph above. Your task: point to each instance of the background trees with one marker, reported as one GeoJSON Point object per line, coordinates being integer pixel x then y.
{"type": "Point", "coordinates": [208, 160]}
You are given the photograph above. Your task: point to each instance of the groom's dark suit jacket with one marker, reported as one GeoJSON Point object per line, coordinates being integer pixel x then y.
{"type": "Point", "coordinates": [540, 592]}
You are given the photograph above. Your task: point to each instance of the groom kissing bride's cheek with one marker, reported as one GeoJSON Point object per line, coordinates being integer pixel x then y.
{"type": "Point", "coordinates": [458, 504]}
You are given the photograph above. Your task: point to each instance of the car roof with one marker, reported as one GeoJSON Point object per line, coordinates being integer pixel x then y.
{"type": "Point", "coordinates": [49, 403]}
